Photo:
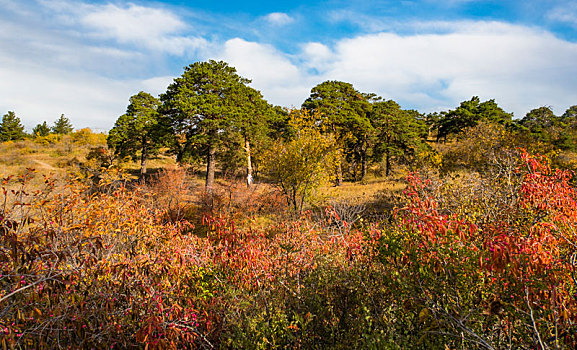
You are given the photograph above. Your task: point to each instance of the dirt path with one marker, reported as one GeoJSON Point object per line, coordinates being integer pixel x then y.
{"type": "Point", "coordinates": [44, 165]}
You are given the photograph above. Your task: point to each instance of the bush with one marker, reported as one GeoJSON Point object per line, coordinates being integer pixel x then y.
{"type": "Point", "coordinates": [468, 262]}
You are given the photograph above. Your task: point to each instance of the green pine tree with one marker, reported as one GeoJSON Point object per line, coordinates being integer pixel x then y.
{"type": "Point", "coordinates": [11, 128]}
{"type": "Point", "coordinates": [344, 112]}
{"type": "Point", "coordinates": [202, 108]}
{"type": "Point", "coordinates": [62, 126]}
{"type": "Point", "coordinates": [41, 130]}
{"type": "Point", "coordinates": [136, 131]}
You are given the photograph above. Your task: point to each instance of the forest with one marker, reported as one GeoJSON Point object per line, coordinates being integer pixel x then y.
{"type": "Point", "coordinates": [209, 218]}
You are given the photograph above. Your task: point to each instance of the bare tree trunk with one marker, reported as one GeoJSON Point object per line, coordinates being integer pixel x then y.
{"type": "Point", "coordinates": [364, 159]}
{"type": "Point", "coordinates": [248, 162]}
{"type": "Point", "coordinates": [210, 168]}
{"type": "Point", "coordinates": [339, 179]}
{"type": "Point", "coordinates": [387, 162]}
{"type": "Point", "coordinates": [363, 164]}
{"type": "Point", "coordinates": [143, 159]}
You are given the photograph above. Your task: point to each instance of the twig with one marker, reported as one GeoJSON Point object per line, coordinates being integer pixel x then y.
{"type": "Point", "coordinates": [26, 287]}
{"type": "Point", "coordinates": [533, 319]}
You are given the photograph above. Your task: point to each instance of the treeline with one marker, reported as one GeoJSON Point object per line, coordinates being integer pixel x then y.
{"type": "Point", "coordinates": [210, 115]}
{"type": "Point", "coordinates": [11, 128]}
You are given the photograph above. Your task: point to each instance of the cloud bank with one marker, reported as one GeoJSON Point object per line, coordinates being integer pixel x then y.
{"type": "Point", "coordinates": [90, 59]}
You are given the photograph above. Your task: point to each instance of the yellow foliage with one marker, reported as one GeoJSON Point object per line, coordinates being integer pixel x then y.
{"type": "Point", "coordinates": [85, 136]}
{"type": "Point", "coordinates": [302, 164]}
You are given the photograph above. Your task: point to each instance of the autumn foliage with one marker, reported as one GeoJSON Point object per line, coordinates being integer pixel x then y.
{"type": "Point", "coordinates": [476, 263]}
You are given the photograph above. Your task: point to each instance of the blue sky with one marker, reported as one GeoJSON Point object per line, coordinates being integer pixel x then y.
{"type": "Point", "coordinates": [86, 58]}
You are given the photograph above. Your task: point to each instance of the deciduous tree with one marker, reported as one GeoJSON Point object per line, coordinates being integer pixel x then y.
{"type": "Point", "coordinates": [302, 164]}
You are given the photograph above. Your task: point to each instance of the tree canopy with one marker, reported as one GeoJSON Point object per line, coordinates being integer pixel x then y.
{"type": "Point", "coordinates": [200, 108]}
{"type": "Point", "coordinates": [398, 132]}
{"type": "Point", "coordinates": [343, 111]}
{"type": "Point", "coordinates": [41, 130]}
{"type": "Point", "coordinates": [11, 128]}
{"type": "Point", "coordinates": [468, 114]}
{"type": "Point", "coordinates": [62, 126]}
{"type": "Point", "coordinates": [137, 129]}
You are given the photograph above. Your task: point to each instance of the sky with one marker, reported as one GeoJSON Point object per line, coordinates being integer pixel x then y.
{"type": "Point", "coordinates": [85, 58]}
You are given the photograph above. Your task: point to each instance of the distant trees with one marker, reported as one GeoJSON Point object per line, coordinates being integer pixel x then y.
{"type": "Point", "coordinates": [62, 126]}
{"type": "Point", "coordinates": [11, 128]}
{"type": "Point", "coordinates": [570, 114]}
{"type": "Point", "coordinates": [469, 114]}
{"type": "Point", "coordinates": [41, 130]}
{"type": "Point", "coordinates": [137, 130]}
{"type": "Point", "coordinates": [544, 126]}
{"type": "Point", "coordinates": [398, 132]}
{"type": "Point", "coordinates": [210, 114]}
{"type": "Point", "coordinates": [365, 127]}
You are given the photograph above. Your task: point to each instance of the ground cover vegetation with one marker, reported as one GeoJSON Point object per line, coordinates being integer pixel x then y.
{"type": "Point", "coordinates": [208, 218]}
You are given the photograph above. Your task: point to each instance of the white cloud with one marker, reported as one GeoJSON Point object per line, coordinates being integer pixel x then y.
{"type": "Point", "coordinates": [60, 59]}
{"type": "Point", "coordinates": [38, 93]}
{"type": "Point", "coordinates": [156, 29]}
{"type": "Point", "coordinates": [518, 66]}
{"type": "Point", "coordinates": [566, 13]}
{"type": "Point", "coordinates": [279, 18]}
{"type": "Point", "coordinates": [316, 56]}
{"type": "Point", "coordinates": [156, 85]}
{"type": "Point", "coordinates": [133, 22]}
{"type": "Point", "coordinates": [272, 72]}
{"type": "Point", "coordinates": [86, 64]}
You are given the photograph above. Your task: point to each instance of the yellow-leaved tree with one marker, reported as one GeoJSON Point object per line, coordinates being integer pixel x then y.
{"type": "Point", "coordinates": [304, 162]}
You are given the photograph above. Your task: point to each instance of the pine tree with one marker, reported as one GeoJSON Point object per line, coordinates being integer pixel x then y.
{"type": "Point", "coordinates": [11, 128]}
{"type": "Point", "coordinates": [62, 126]}
{"type": "Point", "coordinates": [202, 108]}
{"type": "Point", "coordinates": [41, 130]}
{"type": "Point", "coordinates": [136, 130]}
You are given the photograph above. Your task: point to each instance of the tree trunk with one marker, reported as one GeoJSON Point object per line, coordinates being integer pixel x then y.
{"type": "Point", "coordinates": [210, 168]}
{"type": "Point", "coordinates": [363, 164]}
{"type": "Point", "coordinates": [143, 159]}
{"type": "Point", "coordinates": [387, 162]}
{"type": "Point", "coordinates": [339, 179]}
{"type": "Point", "coordinates": [248, 162]}
{"type": "Point", "coordinates": [364, 159]}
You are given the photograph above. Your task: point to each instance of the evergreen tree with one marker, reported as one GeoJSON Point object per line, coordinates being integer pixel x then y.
{"type": "Point", "coordinates": [11, 128]}
{"type": "Point", "coordinates": [343, 111]}
{"type": "Point", "coordinates": [41, 130]}
{"type": "Point", "coordinates": [136, 130]}
{"type": "Point", "coordinates": [252, 120]}
{"type": "Point", "coordinates": [201, 109]}
{"type": "Point", "coordinates": [544, 126]}
{"type": "Point", "coordinates": [570, 114]}
{"type": "Point", "coordinates": [468, 114]}
{"type": "Point", "coordinates": [398, 132]}
{"type": "Point", "coordinates": [62, 126]}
